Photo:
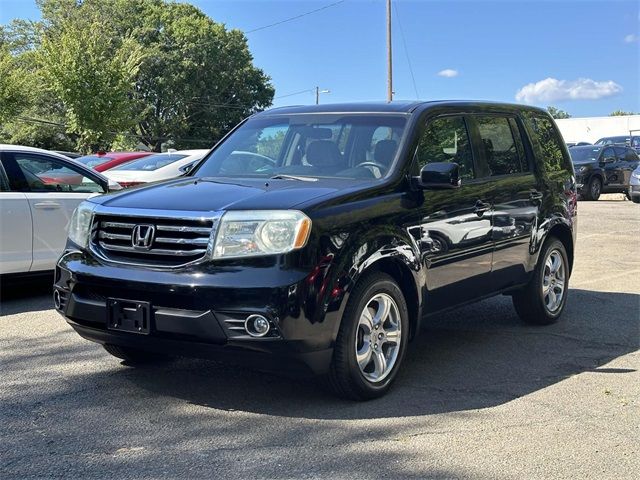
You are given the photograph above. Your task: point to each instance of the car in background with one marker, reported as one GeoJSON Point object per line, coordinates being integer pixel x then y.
{"type": "Point", "coordinates": [577, 144]}
{"type": "Point", "coordinates": [156, 167]}
{"type": "Point", "coordinates": [603, 169]}
{"type": "Point", "coordinates": [102, 161]}
{"type": "Point", "coordinates": [632, 141]}
{"type": "Point", "coordinates": [634, 186]}
{"type": "Point", "coordinates": [39, 190]}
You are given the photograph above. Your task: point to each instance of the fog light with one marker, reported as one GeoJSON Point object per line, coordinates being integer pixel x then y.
{"type": "Point", "coordinates": [56, 300]}
{"type": "Point", "coordinates": [257, 325]}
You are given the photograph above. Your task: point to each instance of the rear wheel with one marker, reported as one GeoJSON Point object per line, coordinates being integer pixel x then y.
{"type": "Point", "coordinates": [134, 355]}
{"type": "Point", "coordinates": [371, 341]}
{"type": "Point", "coordinates": [542, 301]}
{"type": "Point", "coordinates": [594, 188]}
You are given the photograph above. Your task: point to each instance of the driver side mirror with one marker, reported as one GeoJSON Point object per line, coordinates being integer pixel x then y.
{"type": "Point", "coordinates": [439, 175]}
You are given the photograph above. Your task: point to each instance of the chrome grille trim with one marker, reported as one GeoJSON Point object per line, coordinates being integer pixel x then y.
{"type": "Point", "coordinates": [182, 238]}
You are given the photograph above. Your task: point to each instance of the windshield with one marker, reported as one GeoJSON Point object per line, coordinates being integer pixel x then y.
{"type": "Point", "coordinates": [308, 145]}
{"type": "Point", "coordinates": [610, 140]}
{"type": "Point", "coordinates": [584, 154]}
{"type": "Point", "coordinates": [151, 162]}
{"type": "Point", "coordinates": [93, 160]}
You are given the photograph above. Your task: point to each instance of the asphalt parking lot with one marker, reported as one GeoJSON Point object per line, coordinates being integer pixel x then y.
{"type": "Point", "coordinates": [481, 395]}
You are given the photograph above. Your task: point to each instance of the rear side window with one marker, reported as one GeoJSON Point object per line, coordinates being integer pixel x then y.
{"type": "Point", "coordinates": [446, 140]}
{"type": "Point", "coordinates": [547, 140]}
{"type": "Point", "coordinates": [502, 151]}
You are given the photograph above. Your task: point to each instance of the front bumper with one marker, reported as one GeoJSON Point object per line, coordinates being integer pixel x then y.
{"type": "Point", "coordinates": [201, 311]}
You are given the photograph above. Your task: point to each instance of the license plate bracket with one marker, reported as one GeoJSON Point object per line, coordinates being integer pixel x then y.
{"type": "Point", "coordinates": [129, 316]}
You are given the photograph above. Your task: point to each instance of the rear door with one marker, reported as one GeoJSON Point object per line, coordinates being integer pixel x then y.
{"type": "Point", "coordinates": [512, 189]}
{"type": "Point", "coordinates": [15, 228]}
{"type": "Point", "coordinates": [628, 161]}
{"type": "Point", "coordinates": [612, 167]}
{"type": "Point", "coordinates": [53, 188]}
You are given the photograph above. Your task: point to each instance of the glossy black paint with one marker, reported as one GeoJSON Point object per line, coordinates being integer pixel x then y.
{"type": "Point", "coordinates": [444, 248]}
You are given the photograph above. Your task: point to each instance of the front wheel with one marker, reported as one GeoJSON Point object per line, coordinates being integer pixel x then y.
{"type": "Point", "coordinates": [371, 341]}
{"type": "Point", "coordinates": [542, 301]}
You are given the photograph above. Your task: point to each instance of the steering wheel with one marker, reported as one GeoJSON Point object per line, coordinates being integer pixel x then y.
{"type": "Point", "coordinates": [372, 164]}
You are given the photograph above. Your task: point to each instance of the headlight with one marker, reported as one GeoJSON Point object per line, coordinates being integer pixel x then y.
{"type": "Point", "coordinates": [582, 169]}
{"type": "Point", "coordinates": [261, 232]}
{"type": "Point", "coordinates": [80, 225]}
{"type": "Point", "coordinates": [636, 175]}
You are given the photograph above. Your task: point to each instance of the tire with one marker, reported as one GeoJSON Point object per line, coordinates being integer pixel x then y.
{"type": "Point", "coordinates": [531, 303]}
{"type": "Point", "coordinates": [356, 336]}
{"type": "Point", "coordinates": [594, 189]}
{"type": "Point", "coordinates": [134, 356]}
{"type": "Point", "coordinates": [635, 199]}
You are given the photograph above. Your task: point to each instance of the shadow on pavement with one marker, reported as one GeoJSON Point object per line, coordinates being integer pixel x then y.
{"type": "Point", "coordinates": [475, 357]}
{"type": "Point", "coordinates": [36, 291]}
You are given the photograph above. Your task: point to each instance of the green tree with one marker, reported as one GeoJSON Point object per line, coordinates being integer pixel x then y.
{"type": "Point", "coordinates": [13, 86]}
{"type": "Point", "coordinates": [621, 113]}
{"type": "Point", "coordinates": [197, 79]}
{"type": "Point", "coordinates": [93, 75]}
{"type": "Point", "coordinates": [557, 113]}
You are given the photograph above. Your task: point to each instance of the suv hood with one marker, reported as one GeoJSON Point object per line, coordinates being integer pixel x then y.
{"type": "Point", "coordinates": [212, 194]}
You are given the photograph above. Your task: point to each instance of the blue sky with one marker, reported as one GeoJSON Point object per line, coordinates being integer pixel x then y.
{"type": "Point", "coordinates": [581, 56]}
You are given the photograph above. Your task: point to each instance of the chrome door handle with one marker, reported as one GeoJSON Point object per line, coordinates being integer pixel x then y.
{"type": "Point", "coordinates": [47, 205]}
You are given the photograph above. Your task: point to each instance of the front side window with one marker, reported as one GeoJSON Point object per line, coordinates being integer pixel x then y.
{"type": "Point", "coordinates": [38, 173]}
{"type": "Point", "coordinates": [446, 140]}
{"type": "Point", "coordinates": [501, 151]}
{"type": "Point", "coordinates": [308, 145]}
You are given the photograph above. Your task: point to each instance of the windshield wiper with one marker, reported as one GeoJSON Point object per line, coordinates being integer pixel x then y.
{"type": "Point", "coordinates": [282, 176]}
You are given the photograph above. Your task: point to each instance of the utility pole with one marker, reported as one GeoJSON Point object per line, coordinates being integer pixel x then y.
{"type": "Point", "coordinates": [317, 95]}
{"type": "Point", "coordinates": [389, 61]}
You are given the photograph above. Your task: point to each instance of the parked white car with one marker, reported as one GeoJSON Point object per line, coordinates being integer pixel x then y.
{"type": "Point", "coordinates": [156, 167]}
{"type": "Point", "coordinates": [634, 185]}
{"type": "Point", "coordinates": [39, 190]}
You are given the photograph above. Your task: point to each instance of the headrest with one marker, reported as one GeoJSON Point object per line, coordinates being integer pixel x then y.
{"type": "Point", "coordinates": [384, 151]}
{"type": "Point", "coordinates": [324, 153]}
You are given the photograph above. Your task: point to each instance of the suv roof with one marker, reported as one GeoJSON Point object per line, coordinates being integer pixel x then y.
{"type": "Point", "coordinates": [400, 106]}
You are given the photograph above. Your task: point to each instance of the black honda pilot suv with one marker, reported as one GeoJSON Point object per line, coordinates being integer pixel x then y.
{"type": "Point", "coordinates": [318, 239]}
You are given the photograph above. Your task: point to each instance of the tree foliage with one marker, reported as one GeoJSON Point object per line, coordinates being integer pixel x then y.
{"type": "Point", "coordinates": [557, 113]}
{"type": "Point", "coordinates": [13, 86]}
{"type": "Point", "coordinates": [621, 113]}
{"type": "Point", "coordinates": [149, 71]}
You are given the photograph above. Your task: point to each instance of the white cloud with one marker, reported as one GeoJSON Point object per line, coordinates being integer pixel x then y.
{"type": "Point", "coordinates": [632, 37]}
{"type": "Point", "coordinates": [554, 90]}
{"type": "Point", "coordinates": [448, 73]}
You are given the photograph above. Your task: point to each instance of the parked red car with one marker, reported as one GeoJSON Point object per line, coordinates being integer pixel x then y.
{"type": "Point", "coordinates": [102, 161]}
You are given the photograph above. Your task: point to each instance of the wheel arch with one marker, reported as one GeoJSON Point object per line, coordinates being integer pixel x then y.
{"type": "Point", "coordinates": [563, 233]}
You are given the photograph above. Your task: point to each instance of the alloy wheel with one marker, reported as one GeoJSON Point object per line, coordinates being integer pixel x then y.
{"type": "Point", "coordinates": [378, 337]}
{"type": "Point", "coordinates": [553, 281]}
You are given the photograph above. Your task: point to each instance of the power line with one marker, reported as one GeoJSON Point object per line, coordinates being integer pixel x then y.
{"type": "Point", "coordinates": [406, 52]}
{"type": "Point", "coordinates": [295, 18]}
{"type": "Point", "coordinates": [294, 93]}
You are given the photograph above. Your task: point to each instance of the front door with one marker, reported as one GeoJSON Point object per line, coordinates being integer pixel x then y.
{"type": "Point", "coordinates": [53, 189]}
{"type": "Point", "coordinates": [613, 172]}
{"type": "Point", "coordinates": [454, 233]}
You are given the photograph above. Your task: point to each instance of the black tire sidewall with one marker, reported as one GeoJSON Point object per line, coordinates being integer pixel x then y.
{"type": "Point", "coordinates": [590, 186]}
{"type": "Point", "coordinates": [379, 283]}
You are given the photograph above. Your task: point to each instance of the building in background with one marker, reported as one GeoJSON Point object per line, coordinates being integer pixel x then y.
{"type": "Point", "coordinates": [590, 129]}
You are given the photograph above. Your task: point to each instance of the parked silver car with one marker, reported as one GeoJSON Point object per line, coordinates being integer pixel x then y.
{"type": "Point", "coordinates": [634, 185]}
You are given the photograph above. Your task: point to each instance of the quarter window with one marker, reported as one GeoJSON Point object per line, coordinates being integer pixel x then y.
{"type": "Point", "coordinates": [499, 146]}
{"type": "Point", "coordinates": [446, 140]}
{"type": "Point", "coordinates": [547, 140]}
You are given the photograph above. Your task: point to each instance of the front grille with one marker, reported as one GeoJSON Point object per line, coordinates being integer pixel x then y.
{"type": "Point", "coordinates": [172, 242]}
